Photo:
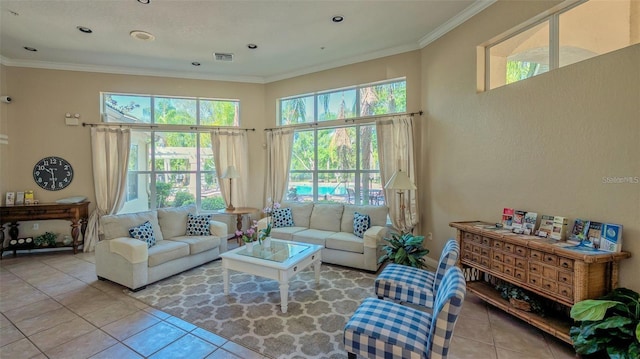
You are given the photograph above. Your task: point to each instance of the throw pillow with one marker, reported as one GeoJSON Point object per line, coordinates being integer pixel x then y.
{"type": "Point", "coordinates": [198, 225]}
{"type": "Point", "coordinates": [361, 222]}
{"type": "Point", "coordinates": [144, 232]}
{"type": "Point", "coordinates": [282, 217]}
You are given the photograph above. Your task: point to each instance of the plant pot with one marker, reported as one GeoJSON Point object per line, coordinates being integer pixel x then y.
{"type": "Point", "coordinates": [266, 243]}
{"type": "Point", "coordinates": [520, 304]}
{"type": "Point", "coordinates": [249, 247]}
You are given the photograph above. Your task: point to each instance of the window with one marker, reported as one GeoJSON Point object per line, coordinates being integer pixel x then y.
{"type": "Point", "coordinates": [334, 162]}
{"type": "Point", "coordinates": [354, 102]}
{"type": "Point", "coordinates": [171, 163]}
{"type": "Point", "coordinates": [570, 35]}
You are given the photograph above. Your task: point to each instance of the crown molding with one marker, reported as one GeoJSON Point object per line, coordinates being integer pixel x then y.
{"type": "Point", "coordinates": [343, 62]}
{"type": "Point", "coordinates": [456, 21]}
{"type": "Point", "coordinates": [127, 71]}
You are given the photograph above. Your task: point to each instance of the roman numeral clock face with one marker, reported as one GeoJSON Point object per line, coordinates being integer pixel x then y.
{"type": "Point", "coordinates": [53, 173]}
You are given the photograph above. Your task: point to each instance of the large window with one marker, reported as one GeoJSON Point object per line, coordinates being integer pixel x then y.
{"type": "Point", "coordinates": [334, 161]}
{"type": "Point", "coordinates": [570, 35]}
{"type": "Point", "coordinates": [171, 161]}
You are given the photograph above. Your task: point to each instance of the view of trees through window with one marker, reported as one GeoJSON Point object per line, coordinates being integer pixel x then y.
{"type": "Point", "coordinates": [336, 162]}
{"type": "Point", "coordinates": [170, 164]}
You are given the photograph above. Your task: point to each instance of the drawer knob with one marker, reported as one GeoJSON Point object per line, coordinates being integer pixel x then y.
{"type": "Point", "coordinates": [565, 265]}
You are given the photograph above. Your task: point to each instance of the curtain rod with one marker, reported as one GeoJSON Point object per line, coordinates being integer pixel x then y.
{"type": "Point", "coordinates": [133, 125]}
{"type": "Point", "coordinates": [347, 120]}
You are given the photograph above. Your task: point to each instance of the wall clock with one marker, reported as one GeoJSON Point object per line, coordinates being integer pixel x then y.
{"type": "Point", "coordinates": [53, 173]}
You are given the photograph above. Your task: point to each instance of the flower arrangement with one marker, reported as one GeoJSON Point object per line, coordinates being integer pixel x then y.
{"type": "Point", "coordinates": [249, 235]}
{"type": "Point", "coordinates": [268, 210]}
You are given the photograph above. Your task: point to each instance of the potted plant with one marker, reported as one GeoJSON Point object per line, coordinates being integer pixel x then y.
{"type": "Point", "coordinates": [405, 249]}
{"type": "Point", "coordinates": [520, 298]}
{"type": "Point", "coordinates": [608, 326]}
{"type": "Point", "coordinates": [249, 236]}
{"type": "Point", "coordinates": [47, 239]}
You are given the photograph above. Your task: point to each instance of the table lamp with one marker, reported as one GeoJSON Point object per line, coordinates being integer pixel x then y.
{"type": "Point", "coordinates": [401, 182]}
{"type": "Point", "coordinates": [230, 173]}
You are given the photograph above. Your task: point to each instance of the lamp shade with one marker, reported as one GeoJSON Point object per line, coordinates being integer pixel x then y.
{"type": "Point", "coordinates": [230, 173]}
{"type": "Point", "coordinates": [400, 181]}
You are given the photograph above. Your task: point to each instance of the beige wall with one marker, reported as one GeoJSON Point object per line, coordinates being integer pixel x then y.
{"type": "Point", "coordinates": [36, 126]}
{"type": "Point", "coordinates": [540, 145]}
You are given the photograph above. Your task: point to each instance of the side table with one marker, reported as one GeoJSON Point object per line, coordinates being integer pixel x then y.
{"type": "Point", "coordinates": [239, 212]}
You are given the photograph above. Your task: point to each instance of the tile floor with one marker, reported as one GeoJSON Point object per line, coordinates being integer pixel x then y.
{"type": "Point", "coordinates": [53, 306]}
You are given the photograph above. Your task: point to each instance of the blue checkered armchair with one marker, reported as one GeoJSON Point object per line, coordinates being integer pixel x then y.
{"type": "Point", "coordinates": [415, 285]}
{"type": "Point", "coordinates": [385, 329]}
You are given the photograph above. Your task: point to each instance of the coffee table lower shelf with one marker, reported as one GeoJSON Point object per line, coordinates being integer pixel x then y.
{"type": "Point", "coordinates": [554, 326]}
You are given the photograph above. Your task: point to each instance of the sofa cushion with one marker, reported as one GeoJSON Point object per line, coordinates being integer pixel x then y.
{"type": "Point", "coordinates": [313, 236]}
{"type": "Point", "coordinates": [117, 225]}
{"type": "Point", "coordinates": [198, 225]}
{"type": "Point", "coordinates": [343, 241]}
{"type": "Point", "coordinates": [378, 215]}
{"type": "Point", "coordinates": [166, 251]}
{"type": "Point", "coordinates": [286, 232]}
{"type": "Point", "coordinates": [301, 212]}
{"type": "Point", "coordinates": [173, 220]}
{"type": "Point", "coordinates": [282, 217]}
{"type": "Point", "coordinates": [327, 217]}
{"type": "Point", "coordinates": [143, 232]}
{"type": "Point", "coordinates": [198, 244]}
{"type": "Point", "coordinates": [361, 222]}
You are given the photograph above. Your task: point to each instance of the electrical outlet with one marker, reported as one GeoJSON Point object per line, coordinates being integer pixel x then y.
{"type": "Point", "coordinates": [430, 236]}
{"type": "Point", "coordinates": [36, 226]}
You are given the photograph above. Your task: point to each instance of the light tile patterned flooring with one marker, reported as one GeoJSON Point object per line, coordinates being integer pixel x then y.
{"type": "Point", "coordinates": [53, 306]}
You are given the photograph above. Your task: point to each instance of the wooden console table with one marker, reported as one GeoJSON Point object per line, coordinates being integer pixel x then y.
{"type": "Point", "coordinates": [77, 213]}
{"type": "Point", "coordinates": [539, 265]}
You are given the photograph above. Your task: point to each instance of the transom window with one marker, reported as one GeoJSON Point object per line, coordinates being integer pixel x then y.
{"type": "Point", "coordinates": [334, 161]}
{"type": "Point", "coordinates": [567, 36]}
{"type": "Point", "coordinates": [348, 103]}
{"type": "Point", "coordinates": [171, 162]}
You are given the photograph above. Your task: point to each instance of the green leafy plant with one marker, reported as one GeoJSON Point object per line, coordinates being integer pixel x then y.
{"type": "Point", "coordinates": [610, 324]}
{"type": "Point", "coordinates": [404, 249]}
{"type": "Point", "coordinates": [509, 291]}
{"type": "Point", "coordinates": [47, 239]}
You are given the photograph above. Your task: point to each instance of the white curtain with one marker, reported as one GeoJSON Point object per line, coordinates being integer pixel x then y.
{"type": "Point", "coordinates": [110, 155]}
{"type": "Point", "coordinates": [231, 148]}
{"type": "Point", "coordinates": [396, 152]}
{"type": "Point", "coordinates": [279, 143]}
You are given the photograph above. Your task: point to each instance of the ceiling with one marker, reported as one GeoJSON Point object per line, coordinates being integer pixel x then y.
{"type": "Point", "coordinates": [293, 37]}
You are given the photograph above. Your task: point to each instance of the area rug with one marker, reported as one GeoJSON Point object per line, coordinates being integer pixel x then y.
{"type": "Point", "coordinates": [250, 315]}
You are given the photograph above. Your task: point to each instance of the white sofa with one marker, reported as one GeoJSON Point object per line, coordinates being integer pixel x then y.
{"type": "Point", "coordinates": [331, 225]}
{"type": "Point", "coordinates": [128, 261]}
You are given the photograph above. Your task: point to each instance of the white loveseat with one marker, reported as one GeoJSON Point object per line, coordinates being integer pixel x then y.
{"type": "Point", "coordinates": [128, 261]}
{"type": "Point", "coordinates": [331, 225]}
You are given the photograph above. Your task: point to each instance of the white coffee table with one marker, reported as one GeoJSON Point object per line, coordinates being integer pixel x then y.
{"type": "Point", "coordinates": [281, 261]}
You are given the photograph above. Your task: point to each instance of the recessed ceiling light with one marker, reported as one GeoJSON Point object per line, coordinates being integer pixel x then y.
{"type": "Point", "coordinates": [252, 46]}
{"type": "Point", "coordinates": [337, 18]}
{"type": "Point", "coordinates": [195, 63]}
{"type": "Point", "coordinates": [144, 1]}
{"type": "Point", "coordinates": [142, 35]}
{"type": "Point", "coordinates": [84, 29]}
{"type": "Point", "coordinates": [32, 49]}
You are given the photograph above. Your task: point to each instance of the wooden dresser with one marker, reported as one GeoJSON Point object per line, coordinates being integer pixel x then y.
{"type": "Point", "coordinates": [76, 213]}
{"type": "Point", "coordinates": [539, 265]}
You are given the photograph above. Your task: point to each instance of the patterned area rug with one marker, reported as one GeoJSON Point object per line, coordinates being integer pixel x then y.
{"type": "Point", "coordinates": [250, 315]}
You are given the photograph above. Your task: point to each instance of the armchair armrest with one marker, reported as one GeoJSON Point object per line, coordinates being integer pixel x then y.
{"type": "Point", "coordinates": [374, 235]}
{"type": "Point", "coordinates": [262, 223]}
{"type": "Point", "coordinates": [218, 229]}
{"type": "Point", "coordinates": [133, 250]}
